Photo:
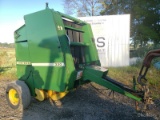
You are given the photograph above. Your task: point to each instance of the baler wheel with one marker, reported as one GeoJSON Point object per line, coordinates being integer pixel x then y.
{"type": "Point", "coordinates": [18, 95]}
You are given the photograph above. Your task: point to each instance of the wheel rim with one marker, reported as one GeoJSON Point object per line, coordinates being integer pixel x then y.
{"type": "Point", "coordinates": [13, 97]}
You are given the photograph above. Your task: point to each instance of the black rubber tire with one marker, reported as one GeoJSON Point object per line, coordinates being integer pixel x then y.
{"type": "Point", "coordinates": [23, 94]}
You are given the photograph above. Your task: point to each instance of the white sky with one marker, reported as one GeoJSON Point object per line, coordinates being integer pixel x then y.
{"type": "Point", "coordinates": [12, 12]}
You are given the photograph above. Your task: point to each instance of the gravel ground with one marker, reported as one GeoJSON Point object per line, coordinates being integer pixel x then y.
{"type": "Point", "coordinates": [86, 103]}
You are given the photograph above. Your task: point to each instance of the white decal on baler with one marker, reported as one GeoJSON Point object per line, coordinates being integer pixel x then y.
{"type": "Point", "coordinates": [23, 63]}
{"type": "Point", "coordinates": [57, 64]}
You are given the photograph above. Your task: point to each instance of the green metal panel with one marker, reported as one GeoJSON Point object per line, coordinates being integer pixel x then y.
{"type": "Point", "coordinates": [45, 50]}
{"type": "Point", "coordinates": [70, 72]}
{"type": "Point", "coordinates": [91, 49]}
{"type": "Point", "coordinates": [71, 28]}
{"type": "Point", "coordinates": [24, 68]}
{"type": "Point", "coordinates": [78, 21]}
{"type": "Point", "coordinates": [43, 39]}
{"type": "Point", "coordinates": [22, 53]}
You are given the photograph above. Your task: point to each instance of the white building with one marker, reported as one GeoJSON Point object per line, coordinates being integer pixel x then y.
{"type": "Point", "coordinates": [111, 34]}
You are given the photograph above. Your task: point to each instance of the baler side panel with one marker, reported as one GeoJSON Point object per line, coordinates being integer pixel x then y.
{"type": "Point", "coordinates": [45, 51]}
{"type": "Point", "coordinates": [24, 68]}
{"type": "Point", "coordinates": [91, 51]}
{"type": "Point", "coordinates": [70, 72]}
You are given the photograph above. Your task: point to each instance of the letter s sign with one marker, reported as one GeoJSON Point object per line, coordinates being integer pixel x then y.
{"type": "Point", "coordinates": [100, 42]}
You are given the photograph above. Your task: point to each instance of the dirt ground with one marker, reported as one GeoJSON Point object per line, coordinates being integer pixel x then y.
{"type": "Point", "coordinates": [86, 103]}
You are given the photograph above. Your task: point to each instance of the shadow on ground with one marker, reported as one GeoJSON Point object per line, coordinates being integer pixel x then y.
{"type": "Point", "coordinates": [86, 103]}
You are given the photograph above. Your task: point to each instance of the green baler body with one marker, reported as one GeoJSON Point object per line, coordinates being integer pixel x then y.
{"type": "Point", "coordinates": [52, 49]}
{"type": "Point", "coordinates": [43, 51]}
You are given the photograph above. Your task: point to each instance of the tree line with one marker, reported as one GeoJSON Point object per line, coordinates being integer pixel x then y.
{"type": "Point", "coordinates": [6, 45]}
{"type": "Point", "coordinates": [145, 15]}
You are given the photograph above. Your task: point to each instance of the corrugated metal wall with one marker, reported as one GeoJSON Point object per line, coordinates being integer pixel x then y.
{"type": "Point", "coordinates": [111, 34]}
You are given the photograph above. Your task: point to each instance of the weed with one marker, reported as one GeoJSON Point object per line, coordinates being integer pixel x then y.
{"type": "Point", "coordinates": [7, 64]}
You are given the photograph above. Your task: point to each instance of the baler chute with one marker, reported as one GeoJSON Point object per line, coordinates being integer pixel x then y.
{"type": "Point", "coordinates": [55, 53]}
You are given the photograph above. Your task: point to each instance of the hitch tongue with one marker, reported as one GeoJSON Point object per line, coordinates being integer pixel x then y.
{"type": "Point", "coordinates": [134, 88]}
{"type": "Point", "coordinates": [147, 99]}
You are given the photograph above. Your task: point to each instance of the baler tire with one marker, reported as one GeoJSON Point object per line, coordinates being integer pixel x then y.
{"type": "Point", "coordinates": [18, 95]}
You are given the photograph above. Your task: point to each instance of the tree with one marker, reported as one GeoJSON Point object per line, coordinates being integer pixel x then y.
{"type": "Point", "coordinates": [7, 45]}
{"type": "Point", "coordinates": [145, 17]}
{"type": "Point", "coordinates": [146, 21]}
{"type": "Point", "coordinates": [82, 8]}
{"type": "Point", "coordinates": [113, 7]}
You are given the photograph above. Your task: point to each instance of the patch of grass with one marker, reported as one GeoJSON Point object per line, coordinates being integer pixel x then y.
{"type": "Point", "coordinates": [7, 64]}
{"type": "Point", "coordinates": [9, 74]}
{"type": "Point", "coordinates": [125, 76]}
{"type": "Point", "coordinates": [153, 74]}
